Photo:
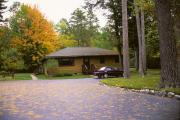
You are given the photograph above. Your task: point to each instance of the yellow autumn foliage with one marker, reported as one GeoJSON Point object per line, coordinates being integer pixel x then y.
{"type": "Point", "coordinates": [40, 31]}
{"type": "Point", "coordinates": [37, 37]}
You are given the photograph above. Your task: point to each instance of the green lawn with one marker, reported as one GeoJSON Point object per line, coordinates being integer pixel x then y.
{"type": "Point", "coordinates": [26, 76]}
{"type": "Point", "coordinates": [150, 81]}
{"type": "Point", "coordinates": [43, 77]}
{"type": "Point", "coordinates": [18, 76]}
{"type": "Point", "coordinates": [23, 76]}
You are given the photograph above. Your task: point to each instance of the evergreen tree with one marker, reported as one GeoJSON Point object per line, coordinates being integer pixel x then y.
{"type": "Point", "coordinates": [126, 68]}
{"type": "Point", "coordinates": [78, 24]}
{"type": "Point", "coordinates": [92, 23]}
{"type": "Point", "coordinates": [167, 44]}
{"type": "Point", "coordinates": [2, 8]}
{"type": "Point", "coordinates": [114, 20]}
{"type": "Point", "coordinates": [62, 27]}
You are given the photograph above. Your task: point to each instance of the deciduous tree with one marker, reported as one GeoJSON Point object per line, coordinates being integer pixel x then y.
{"type": "Point", "coordinates": [9, 57]}
{"type": "Point", "coordinates": [34, 36]}
{"type": "Point", "coordinates": [66, 41]}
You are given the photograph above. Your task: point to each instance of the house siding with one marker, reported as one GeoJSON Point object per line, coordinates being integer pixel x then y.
{"type": "Point", "coordinates": [78, 62]}
{"type": "Point", "coordinates": [109, 61]}
{"type": "Point", "coordinates": [76, 68]}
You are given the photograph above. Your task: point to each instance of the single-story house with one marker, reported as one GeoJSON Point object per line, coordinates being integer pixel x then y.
{"type": "Point", "coordinates": [80, 60]}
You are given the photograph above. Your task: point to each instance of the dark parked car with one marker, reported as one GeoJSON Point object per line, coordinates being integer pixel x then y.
{"type": "Point", "coordinates": [105, 72]}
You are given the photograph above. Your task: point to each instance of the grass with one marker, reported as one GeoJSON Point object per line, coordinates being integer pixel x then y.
{"type": "Point", "coordinates": [18, 76]}
{"type": "Point", "coordinates": [150, 81]}
{"type": "Point", "coordinates": [175, 90]}
{"type": "Point", "coordinates": [26, 76]}
{"type": "Point", "coordinates": [23, 76]}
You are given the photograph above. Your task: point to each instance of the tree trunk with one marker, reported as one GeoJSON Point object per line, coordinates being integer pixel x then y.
{"type": "Point", "coordinates": [138, 22]}
{"type": "Point", "coordinates": [167, 44]}
{"type": "Point", "coordinates": [143, 42]}
{"type": "Point", "coordinates": [125, 40]}
{"type": "Point", "coordinates": [141, 39]}
{"type": "Point", "coordinates": [45, 68]}
{"type": "Point", "coordinates": [136, 56]}
{"type": "Point", "coordinates": [120, 57]}
{"type": "Point", "coordinates": [177, 36]}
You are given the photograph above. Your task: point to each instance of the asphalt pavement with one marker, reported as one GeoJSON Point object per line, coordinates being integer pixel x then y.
{"type": "Point", "coordinates": [80, 99]}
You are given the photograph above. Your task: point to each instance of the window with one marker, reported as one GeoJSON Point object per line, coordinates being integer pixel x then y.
{"type": "Point", "coordinates": [103, 68]}
{"type": "Point", "coordinates": [109, 69]}
{"type": "Point", "coordinates": [66, 62]}
{"type": "Point", "coordinates": [102, 60]}
{"type": "Point", "coordinates": [116, 59]}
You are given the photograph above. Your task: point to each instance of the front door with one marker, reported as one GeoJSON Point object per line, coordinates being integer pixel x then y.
{"type": "Point", "coordinates": [86, 65]}
{"type": "Point", "coordinates": [86, 62]}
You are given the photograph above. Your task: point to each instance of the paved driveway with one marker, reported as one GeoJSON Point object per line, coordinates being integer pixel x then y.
{"type": "Point", "coordinates": [82, 99]}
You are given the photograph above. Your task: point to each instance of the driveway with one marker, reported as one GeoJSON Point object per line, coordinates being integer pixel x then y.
{"type": "Point", "coordinates": [80, 99]}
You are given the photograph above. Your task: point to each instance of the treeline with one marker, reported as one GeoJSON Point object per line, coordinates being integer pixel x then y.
{"type": "Point", "coordinates": [133, 29]}
{"type": "Point", "coordinates": [83, 27]}
{"type": "Point", "coordinates": [29, 36]}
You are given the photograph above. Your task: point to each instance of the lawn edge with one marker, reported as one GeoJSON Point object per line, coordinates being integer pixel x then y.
{"type": "Point", "coordinates": [155, 92]}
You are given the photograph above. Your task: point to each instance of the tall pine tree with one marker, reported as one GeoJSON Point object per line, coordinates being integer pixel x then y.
{"type": "Point", "coordinates": [167, 44]}
{"type": "Point", "coordinates": [125, 40]}
{"type": "Point", "coordinates": [2, 8]}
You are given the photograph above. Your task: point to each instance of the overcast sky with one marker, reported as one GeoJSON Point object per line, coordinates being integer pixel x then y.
{"type": "Point", "coordinates": [54, 10]}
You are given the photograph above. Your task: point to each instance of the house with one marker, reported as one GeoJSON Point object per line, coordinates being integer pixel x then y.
{"type": "Point", "coordinates": [80, 60]}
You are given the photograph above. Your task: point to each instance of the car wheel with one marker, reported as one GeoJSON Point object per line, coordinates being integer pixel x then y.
{"type": "Point", "coordinates": [105, 75]}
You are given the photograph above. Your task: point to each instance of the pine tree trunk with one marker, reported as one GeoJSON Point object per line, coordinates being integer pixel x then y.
{"type": "Point", "coordinates": [136, 56]}
{"type": "Point", "coordinates": [167, 44]}
{"type": "Point", "coordinates": [138, 22]}
{"type": "Point", "coordinates": [141, 39]}
{"type": "Point", "coordinates": [120, 58]}
{"type": "Point", "coordinates": [177, 36]}
{"type": "Point", "coordinates": [143, 42]}
{"type": "Point", "coordinates": [125, 40]}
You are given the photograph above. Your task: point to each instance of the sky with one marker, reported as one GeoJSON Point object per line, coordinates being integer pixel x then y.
{"type": "Point", "coordinates": [54, 10]}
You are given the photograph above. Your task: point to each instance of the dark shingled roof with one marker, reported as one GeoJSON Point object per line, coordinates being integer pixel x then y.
{"type": "Point", "coordinates": [81, 51]}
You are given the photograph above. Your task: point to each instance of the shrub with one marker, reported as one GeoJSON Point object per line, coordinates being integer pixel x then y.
{"type": "Point", "coordinates": [52, 63]}
{"type": "Point", "coordinates": [68, 74]}
{"type": "Point", "coordinates": [59, 75]}
{"type": "Point", "coordinates": [63, 74]}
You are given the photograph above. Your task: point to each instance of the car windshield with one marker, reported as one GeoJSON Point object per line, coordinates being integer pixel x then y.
{"type": "Point", "coordinates": [103, 68]}
{"type": "Point", "coordinates": [108, 68]}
